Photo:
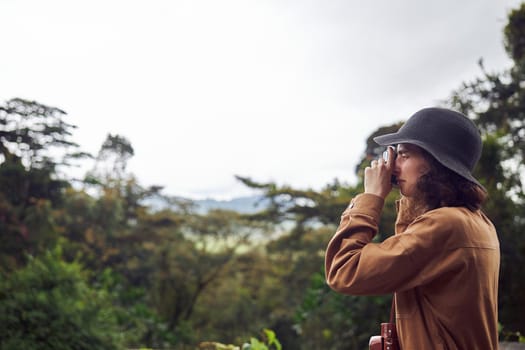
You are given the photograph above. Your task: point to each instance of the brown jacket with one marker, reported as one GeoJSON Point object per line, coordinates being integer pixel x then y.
{"type": "Point", "coordinates": [443, 267]}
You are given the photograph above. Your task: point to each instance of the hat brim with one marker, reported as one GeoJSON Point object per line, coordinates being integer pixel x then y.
{"type": "Point", "coordinates": [390, 139]}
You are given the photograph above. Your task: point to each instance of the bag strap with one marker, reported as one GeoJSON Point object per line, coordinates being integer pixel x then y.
{"type": "Point", "coordinates": [393, 309]}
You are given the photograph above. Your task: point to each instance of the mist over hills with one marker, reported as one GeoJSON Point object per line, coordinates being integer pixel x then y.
{"type": "Point", "coordinates": [243, 204]}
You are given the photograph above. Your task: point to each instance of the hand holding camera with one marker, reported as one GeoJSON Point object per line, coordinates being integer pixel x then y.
{"type": "Point", "coordinates": [378, 176]}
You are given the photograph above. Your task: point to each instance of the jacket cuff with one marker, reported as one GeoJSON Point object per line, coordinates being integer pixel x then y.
{"type": "Point", "coordinates": [367, 204]}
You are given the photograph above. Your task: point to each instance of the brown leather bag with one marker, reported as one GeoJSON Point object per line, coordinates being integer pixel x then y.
{"type": "Point", "coordinates": [388, 338]}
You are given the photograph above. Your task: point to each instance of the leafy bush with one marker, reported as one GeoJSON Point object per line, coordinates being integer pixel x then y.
{"type": "Point", "coordinates": [269, 342]}
{"type": "Point", "coordinates": [49, 305]}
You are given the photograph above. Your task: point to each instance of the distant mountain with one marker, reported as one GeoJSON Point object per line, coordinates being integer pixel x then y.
{"type": "Point", "coordinates": [243, 205]}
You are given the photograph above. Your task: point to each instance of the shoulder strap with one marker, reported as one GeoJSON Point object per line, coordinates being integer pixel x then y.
{"type": "Point", "coordinates": [393, 310]}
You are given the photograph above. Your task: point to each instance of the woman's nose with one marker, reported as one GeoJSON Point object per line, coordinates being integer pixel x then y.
{"type": "Point", "coordinates": [397, 167]}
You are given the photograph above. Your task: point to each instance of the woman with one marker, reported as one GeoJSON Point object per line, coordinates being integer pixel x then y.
{"type": "Point", "coordinates": [443, 262]}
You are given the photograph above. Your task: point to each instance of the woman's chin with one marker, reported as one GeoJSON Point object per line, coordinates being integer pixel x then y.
{"type": "Point", "coordinates": [403, 190]}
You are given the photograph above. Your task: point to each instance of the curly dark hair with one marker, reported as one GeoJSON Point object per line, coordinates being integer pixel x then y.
{"type": "Point", "coordinates": [441, 187]}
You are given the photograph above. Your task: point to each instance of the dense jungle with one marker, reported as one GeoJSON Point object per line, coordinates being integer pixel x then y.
{"type": "Point", "coordinates": [90, 263]}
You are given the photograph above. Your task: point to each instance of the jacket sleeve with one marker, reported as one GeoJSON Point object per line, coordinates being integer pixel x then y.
{"type": "Point", "coordinates": [355, 265]}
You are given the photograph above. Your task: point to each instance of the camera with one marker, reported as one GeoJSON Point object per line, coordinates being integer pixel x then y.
{"type": "Point", "coordinates": [393, 179]}
{"type": "Point", "coordinates": [387, 340]}
{"type": "Point", "coordinates": [385, 153]}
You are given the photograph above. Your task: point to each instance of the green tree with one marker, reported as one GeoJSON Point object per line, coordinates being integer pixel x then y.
{"type": "Point", "coordinates": [33, 131]}
{"type": "Point", "coordinates": [194, 260]}
{"type": "Point", "coordinates": [32, 136]}
{"type": "Point", "coordinates": [49, 305]}
{"type": "Point", "coordinates": [110, 229]}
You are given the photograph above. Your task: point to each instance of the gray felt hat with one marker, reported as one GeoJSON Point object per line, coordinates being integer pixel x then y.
{"type": "Point", "coordinates": [449, 136]}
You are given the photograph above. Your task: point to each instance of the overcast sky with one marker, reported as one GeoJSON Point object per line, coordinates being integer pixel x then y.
{"type": "Point", "coordinates": [277, 90]}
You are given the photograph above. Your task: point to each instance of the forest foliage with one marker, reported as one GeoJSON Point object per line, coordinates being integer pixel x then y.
{"type": "Point", "coordinates": [87, 264]}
